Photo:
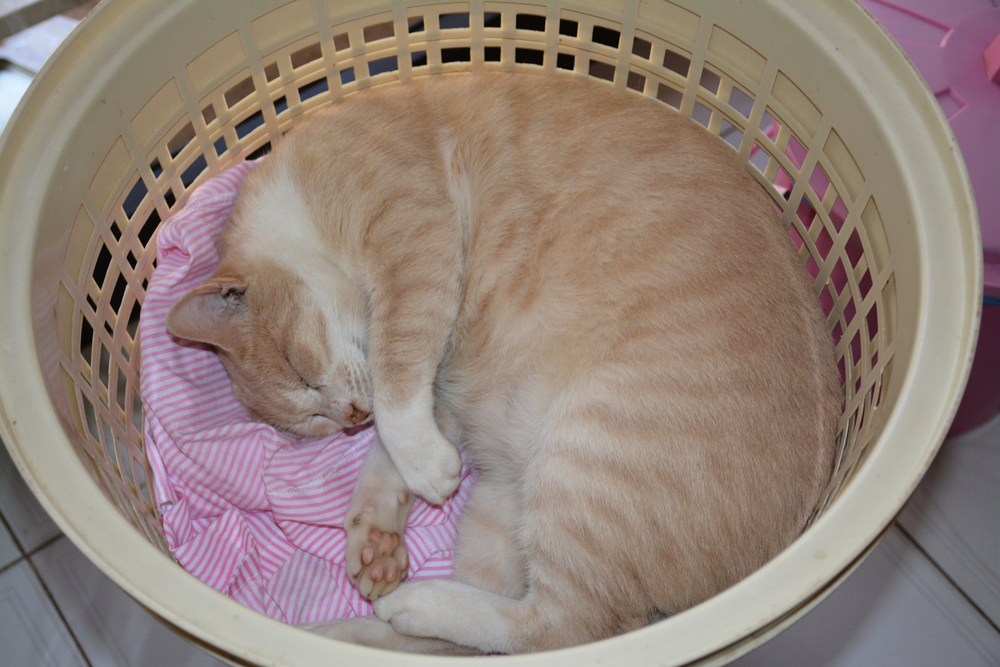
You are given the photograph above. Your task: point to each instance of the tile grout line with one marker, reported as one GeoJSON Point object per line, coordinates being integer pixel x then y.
{"type": "Point", "coordinates": [25, 557]}
{"type": "Point", "coordinates": [948, 578]}
{"type": "Point", "coordinates": [55, 604]}
{"type": "Point", "coordinates": [17, 543]}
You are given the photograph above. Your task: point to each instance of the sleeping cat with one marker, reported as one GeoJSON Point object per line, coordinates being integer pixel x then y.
{"type": "Point", "coordinates": [584, 292]}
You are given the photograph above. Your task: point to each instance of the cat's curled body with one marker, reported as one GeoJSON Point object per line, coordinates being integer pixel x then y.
{"type": "Point", "coordinates": [587, 294]}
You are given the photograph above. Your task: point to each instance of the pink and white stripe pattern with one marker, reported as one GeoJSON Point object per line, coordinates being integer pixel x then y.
{"type": "Point", "coordinates": [250, 511]}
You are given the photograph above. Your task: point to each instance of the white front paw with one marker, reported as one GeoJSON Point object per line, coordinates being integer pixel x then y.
{"type": "Point", "coordinates": [431, 468]}
{"type": "Point", "coordinates": [429, 464]}
{"type": "Point", "coordinates": [413, 609]}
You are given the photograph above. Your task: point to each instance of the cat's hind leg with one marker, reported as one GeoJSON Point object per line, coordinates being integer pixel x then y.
{"type": "Point", "coordinates": [487, 554]}
{"type": "Point", "coordinates": [372, 632]}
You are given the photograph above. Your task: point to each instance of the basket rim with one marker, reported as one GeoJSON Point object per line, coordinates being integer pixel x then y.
{"type": "Point", "coordinates": [930, 391]}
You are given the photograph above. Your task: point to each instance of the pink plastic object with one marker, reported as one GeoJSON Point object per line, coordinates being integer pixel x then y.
{"type": "Point", "coordinates": [956, 46]}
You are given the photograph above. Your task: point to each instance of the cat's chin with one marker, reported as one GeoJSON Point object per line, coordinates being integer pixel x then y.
{"type": "Point", "coordinates": [354, 430]}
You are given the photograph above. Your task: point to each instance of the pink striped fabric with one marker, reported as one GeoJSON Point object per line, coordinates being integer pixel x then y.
{"type": "Point", "coordinates": [251, 512]}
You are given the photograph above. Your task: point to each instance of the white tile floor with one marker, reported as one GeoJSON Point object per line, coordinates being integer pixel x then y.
{"type": "Point", "coordinates": [929, 596]}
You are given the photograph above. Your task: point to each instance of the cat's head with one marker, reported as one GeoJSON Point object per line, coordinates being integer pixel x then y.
{"type": "Point", "coordinates": [295, 354]}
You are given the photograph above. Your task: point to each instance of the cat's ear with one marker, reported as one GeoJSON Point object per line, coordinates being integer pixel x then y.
{"type": "Point", "coordinates": [210, 313]}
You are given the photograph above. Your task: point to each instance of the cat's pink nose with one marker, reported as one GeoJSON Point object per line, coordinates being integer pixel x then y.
{"type": "Point", "coordinates": [356, 415]}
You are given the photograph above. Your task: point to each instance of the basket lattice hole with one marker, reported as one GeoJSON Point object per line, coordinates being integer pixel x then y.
{"type": "Point", "coordinates": [220, 146]}
{"type": "Point", "coordinates": [759, 157]}
{"type": "Point", "coordinates": [260, 152]}
{"type": "Point", "coordinates": [280, 105]}
{"type": "Point", "coordinates": [271, 72]}
{"type": "Point", "coordinates": [871, 322]}
{"type": "Point", "coordinates": [126, 461]}
{"type": "Point", "coordinates": [86, 340]}
{"type": "Point", "coordinates": [819, 182]}
{"type": "Point", "coordinates": [91, 417]}
{"type": "Point", "coordinates": [849, 312]}
{"type": "Point", "coordinates": [380, 66]}
{"type": "Point", "coordinates": [636, 81]}
{"type": "Point", "coordinates": [170, 197]}
{"type": "Point", "coordinates": [565, 61]}
{"type": "Point", "coordinates": [676, 62]}
{"type": "Point", "coordinates": [346, 76]}
{"type": "Point", "coordinates": [641, 48]}
{"type": "Point", "coordinates": [769, 126]}
{"type": "Point", "coordinates": [414, 24]}
{"type": "Point", "coordinates": [373, 33]}
{"type": "Point", "coordinates": [306, 55]}
{"type": "Point", "coordinates": [453, 21]}
{"type": "Point", "coordinates": [529, 56]}
{"type": "Point", "coordinates": [155, 167]}
{"type": "Point", "coordinates": [419, 58]}
{"type": "Point", "coordinates": [856, 350]}
{"type": "Point", "coordinates": [731, 134]}
{"type": "Point", "coordinates": [120, 390]}
{"type": "Point", "coordinates": [321, 86]}
{"type": "Point", "coordinates": [134, 198]}
{"type": "Point", "coordinates": [180, 140]}
{"type": "Point", "coordinates": [142, 484]}
{"type": "Point", "coordinates": [838, 214]}
{"type": "Point", "coordinates": [669, 95]}
{"type": "Point", "coordinates": [710, 81]}
{"type": "Point", "coordinates": [568, 28]}
{"type": "Point", "coordinates": [701, 114]}
{"type": "Point", "coordinates": [137, 417]}
{"type": "Point", "coordinates": [795, 152]}
{"type": "Point", "coordinates": [194, 171]}
{"type": "Point", "coordinates": [101, 265]}
{"type": "Point", "coordinates": [806, 213]}
{"type": "Point", "coordinates": [606, 36]}
{"type": "Point", "coordinates": [456, 54]}
{"type": "Point", "coordinates": [249, 124]}
{"type": "Point", "coordinates": [239, 92]}
{"type": "Point", "coordinates": [116, 230]}
{"type": "Point", "coordinates": [132, 261]}
{"type": "Point", "coordinates": [103, 371]}
{"type": "Point", "coordinates": [149, 228]}
{"type": "Point", "coordinates": [838, 277]}
{"type": "Point", "coordinates": [532, 22]}
{"type": "Point", "coordinates": [783, 182]}
{"type": "Point", "coordinates": [740, 102]}
{"type": "Point", "coordinates": [132, 325]}
{"type": "Point", "coordinates": [118, 294]}
{"type": "Point", "coordinates": [208, 114]}
{"type": "Point", "coordinates": [865, 285]}
{"type": "Point", "coordinates": [602, 70]}
{"type": "Point", "coordinates": [342, 41]}
{"type": "Point", "coordinates": [855, 251]}
{"type": "Point", "coordinates": [492, 20]}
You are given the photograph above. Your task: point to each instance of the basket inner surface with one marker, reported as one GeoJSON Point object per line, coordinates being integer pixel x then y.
{"type": "Point", "coordinates": [233, 97]}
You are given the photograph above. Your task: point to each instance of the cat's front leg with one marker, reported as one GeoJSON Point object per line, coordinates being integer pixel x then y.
{"type": "Point", "coordinates": [414, 292]}
{"type": "Point", "coordinates": [429, 464]}
{"type": "Point", "coordinates": [376, 552]}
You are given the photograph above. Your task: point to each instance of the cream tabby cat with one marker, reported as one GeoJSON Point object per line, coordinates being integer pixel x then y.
{"type": "Point", "coordinates": [585, 293]}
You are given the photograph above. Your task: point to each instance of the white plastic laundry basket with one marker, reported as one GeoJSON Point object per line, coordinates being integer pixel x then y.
{"type": "Point", "coordinates": [149, 98]}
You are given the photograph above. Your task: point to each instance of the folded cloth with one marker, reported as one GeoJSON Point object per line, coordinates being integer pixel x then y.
{"type": "Point", "coordinates": [253, 513]}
